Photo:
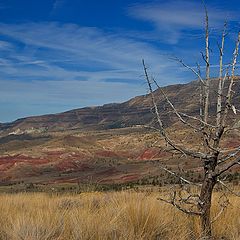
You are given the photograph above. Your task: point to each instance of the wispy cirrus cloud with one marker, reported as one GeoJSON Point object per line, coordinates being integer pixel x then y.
{"type": "Point", "coordinates": [48, 67]}
{"type": "Point", "coordinates": [66, 66]}
{"type": "Point", "coordinates": [70, 50]}
{"type": "Point", "coordinates": [173, 18]}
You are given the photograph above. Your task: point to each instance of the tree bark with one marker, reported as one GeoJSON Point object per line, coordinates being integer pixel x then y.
{"type": "Point", "coordinates": [205, 201]}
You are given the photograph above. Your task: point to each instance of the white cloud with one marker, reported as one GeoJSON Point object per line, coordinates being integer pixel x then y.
{"type": "Point", "coordinates": [172, 18]}
{"type": "Point", "coordinates": [83, 44]}
{"type": "Point", "coordinates": [67, 51]}
{"type": "Point", "coordinates": [68, 66]}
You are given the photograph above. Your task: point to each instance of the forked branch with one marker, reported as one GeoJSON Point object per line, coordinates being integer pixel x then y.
{"type": "Point", "coordinates": [162, 131]}
{"type": "Point", "coordinates": [173, 202]}
{"type": "Point", "coordinates": [175, 110]}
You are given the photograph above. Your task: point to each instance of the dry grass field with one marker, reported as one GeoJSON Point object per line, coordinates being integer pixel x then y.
{"type": "Point", "coordinates": [122, 215]}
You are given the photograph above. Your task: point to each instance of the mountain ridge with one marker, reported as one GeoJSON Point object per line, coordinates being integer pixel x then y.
{"type": "Point", "coordinates": [135, 111]}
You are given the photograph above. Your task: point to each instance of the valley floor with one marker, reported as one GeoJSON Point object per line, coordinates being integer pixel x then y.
{"type": "Point", "coordinates": [126, 215]}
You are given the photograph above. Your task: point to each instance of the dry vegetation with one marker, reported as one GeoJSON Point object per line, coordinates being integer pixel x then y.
{"type": "Point", "coordinates": [114, 215]}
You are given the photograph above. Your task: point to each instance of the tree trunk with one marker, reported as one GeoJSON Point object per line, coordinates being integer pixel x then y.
{"type": "Point", "coordinates": [205, 206]}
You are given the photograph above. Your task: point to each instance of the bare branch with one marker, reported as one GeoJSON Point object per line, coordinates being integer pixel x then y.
{"type": "Point", "coordinates": [201, 101]}
{"type": "Point", "coordinates": [153, 99]}
{"type": "Point", "coordinates": [172, 201]}
{"type": "Point", "coordinates": [226, 76]}
{"type": "Point", "coordinates": [197, 119]}
{"type": "Point", "coordinates": [173, 173]}
{"type": "Point", "coordinates": [191, 199]}
{"type": "Point", "coordinates": [229, 156]}
{"type": "Point", "coordinates": [203, 57]}
{"type": "Point", "coordinates": [223, 206]}
{"type": "Point", "coordinates": [230, 91]}
{"type": "Point", "coordinates": [207, 83]}
{"type": "Point", "coordinates": [174, 109]}
{"type": "Point", "coordinates": [220, 85]}
{"type": "Point", "coordinates": [221, 169]}
{"type": "Point", "coordinates": [230, 190]}
{"type": "Point", "coordinates": [190, 68]}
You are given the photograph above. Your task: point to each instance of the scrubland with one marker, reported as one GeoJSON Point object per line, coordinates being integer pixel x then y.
{"type": "Point", "coordinates": [125, 215]}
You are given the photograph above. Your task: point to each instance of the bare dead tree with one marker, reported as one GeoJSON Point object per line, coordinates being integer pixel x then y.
{"type": "Point", "coordinates": [215, 159]}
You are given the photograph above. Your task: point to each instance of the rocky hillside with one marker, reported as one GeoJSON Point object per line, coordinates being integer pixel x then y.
{"type": "Point", "coordinates": [104, 144]}
{"type": "Point", "coordinates": [136, 111]}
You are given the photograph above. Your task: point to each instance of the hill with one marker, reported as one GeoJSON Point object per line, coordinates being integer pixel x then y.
{"type": "Point", "coordinates": [107, 144]}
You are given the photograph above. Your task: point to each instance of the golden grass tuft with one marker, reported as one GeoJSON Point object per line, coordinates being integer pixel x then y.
{"type": "Point", "coordinates": [110, 216]}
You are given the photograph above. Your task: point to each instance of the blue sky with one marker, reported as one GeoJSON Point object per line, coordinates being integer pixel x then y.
{"type": "Point", "coordinates": [57, 55]}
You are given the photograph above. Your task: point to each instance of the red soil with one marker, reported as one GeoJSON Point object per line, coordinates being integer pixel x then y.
{"type": "Point", "coordinates": [152, 153]}
{"type": "Point", "coordinates": [9, 161]}
{"type": "Point", "coordinates": [71, 165]}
